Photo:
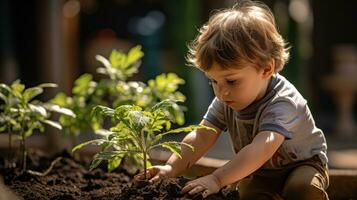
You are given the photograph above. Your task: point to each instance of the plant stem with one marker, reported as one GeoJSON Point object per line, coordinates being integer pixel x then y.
{"type": "Point", "coordinates": [47, 170]}
{"type": "Point", "coordinates": [145, 174]}
{"type": "Point", "coordinates": [10, 145]}
{"type": "Point", "coordinates": [144, 152]}
{"type": "Point", "coordinates": [23, 148]}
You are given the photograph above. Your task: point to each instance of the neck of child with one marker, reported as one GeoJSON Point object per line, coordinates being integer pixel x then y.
{"type": "Point", "coordinates": [263, 90]}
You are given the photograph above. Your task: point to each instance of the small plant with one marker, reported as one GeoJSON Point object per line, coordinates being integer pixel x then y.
{"type": "Point", "coordinates": [115, 90]}
{"type": "Point", "coordinates": [22, 114]}
{"type": "Point", "coordinates": [8, 117]}
{"type": "Point", "coordinates": [86, 94]}
{"type": "Point", "coordinates": [137, 132]}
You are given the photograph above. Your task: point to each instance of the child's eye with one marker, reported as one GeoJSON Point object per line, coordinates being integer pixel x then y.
{"type": "Point", "coordinates": [231, 82]}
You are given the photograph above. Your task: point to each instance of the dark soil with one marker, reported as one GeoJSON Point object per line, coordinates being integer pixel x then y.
{"type": "Point", "coordinates": [70, 179]}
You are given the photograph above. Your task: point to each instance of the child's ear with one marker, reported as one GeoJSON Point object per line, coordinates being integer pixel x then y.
{"type": "Point", "coordinates": [268, 71]}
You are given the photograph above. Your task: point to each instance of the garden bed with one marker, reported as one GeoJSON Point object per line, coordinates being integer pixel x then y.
{"type": "Point", "coordinates": [70, 179]}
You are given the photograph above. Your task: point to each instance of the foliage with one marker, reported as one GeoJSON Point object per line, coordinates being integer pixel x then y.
{"type": "Point", "coordinates": [115, 90]}
{"type": "Point", "coordinates": [137, 132]}
{"type": "Point", "coordinates": [86, 94]}
{"type": "Point", "coordinates": [22, 114]}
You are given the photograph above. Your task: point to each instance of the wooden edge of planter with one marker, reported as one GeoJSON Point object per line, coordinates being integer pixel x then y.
{"type": "Point", "coordinates": [5, 192]}
{"type": "Point", "coordinates": [343, 184]}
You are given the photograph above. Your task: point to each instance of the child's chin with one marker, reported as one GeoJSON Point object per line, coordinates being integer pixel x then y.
{"type": "Point", "coordinates": [236, 108]}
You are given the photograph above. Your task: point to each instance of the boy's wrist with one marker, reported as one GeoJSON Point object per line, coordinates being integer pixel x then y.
{"type": "Point", "coordinates": [171, 170]}
{"type": "Point", "coordinates": [217, 180]}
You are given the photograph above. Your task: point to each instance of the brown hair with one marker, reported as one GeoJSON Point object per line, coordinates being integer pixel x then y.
{"type": "Point", "coordinates": [244, 33]}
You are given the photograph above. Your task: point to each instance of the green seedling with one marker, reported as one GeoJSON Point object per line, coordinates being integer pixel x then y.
{"type": "Point", "coordinates": [22, 114]}
{"type": "Point", "coordinates": [137, 132]}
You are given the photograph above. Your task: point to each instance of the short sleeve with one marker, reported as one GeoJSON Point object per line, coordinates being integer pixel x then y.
{"type": "Point", "coordinates": [215, 114]}
{"type": "Point", "coordinates": [281, 117]}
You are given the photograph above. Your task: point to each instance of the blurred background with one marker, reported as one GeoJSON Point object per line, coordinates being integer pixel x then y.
{"type": "Point", "coordinates": [57, 40]}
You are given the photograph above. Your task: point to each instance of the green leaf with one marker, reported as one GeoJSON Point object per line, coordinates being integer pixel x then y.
{"type": "Point", "coordinates": [5, 87]}
{"type": "Point", "coordinates": [58, 109]}
{"type": "Point", "coordinates": [60, 99]}
{"type": "Point", "coordinates": [187, 129]}
{"type": "Point", "coordinates": [106, 155]}
{"type": "Point", "coordinates": [38, 109]}
{"type": "Point", "coordinates": [3, 94]}
{"type": "Point", "coordinates": [139, 158]}
{"type": "Point", "coordinates": [53, 124]}
{"type": "Point", "coordinates": [116, 59]}
{"type": "Point", "coordinates": [164, 105]}
{"type": "Point", "coordinates": [96, 142]}
{"type": "Point", "coordinates": [109, 67]}
{"type": "Point", "coordinates": [31, 93]}
{"type": "Point", "coordinates": [47, 85]}
{"type": "Point", "coordinates": [17, 88]}
{"type": "Point", "coordinates": [114, 162]}
{"type": "Point", "coordinates": [84, 85]}
{"type": "Point", "coordinates": [95, 163]}
{"type": "Point", "coordinates": [30, 126]}
{"type": "Point", "coordinates": [121, 113]}
{"type": "Point", "coordinates": [174, 148]}
{"type": "Point", "coordinates": [103, 132]}
{"type": "Point", "coordinates": [102, 111]}
{"type": "Point", "coordinates": [4, 98]}
{"type": "Point", "coordinates": [3, 128]}
{"type": "Point", "coordinates": [104, 61]}
{"type": "Point", "coordinates": [134, 55]}
{"type": "Point", "coordinates": [138, 120]}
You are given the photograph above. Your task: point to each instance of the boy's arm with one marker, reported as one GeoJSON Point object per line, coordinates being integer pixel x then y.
{"type": "Point", "coordinates": [245, 162]}
{"type": "Point", "coordinates": [201, 140]}
{"type": "Point", "coordinates": [250, 158]}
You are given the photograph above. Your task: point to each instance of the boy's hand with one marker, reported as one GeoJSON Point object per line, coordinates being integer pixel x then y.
{"type": "Point", "coordinates": [156, 172]}
{"type": "Point", "coordinates": [209, 184]}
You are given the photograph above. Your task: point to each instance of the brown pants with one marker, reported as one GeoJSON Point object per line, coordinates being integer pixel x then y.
{"type": "Point", "coordinates": [304, 180]}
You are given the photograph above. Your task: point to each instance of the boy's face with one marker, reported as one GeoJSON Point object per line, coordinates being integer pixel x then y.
{"type": "Point", "coordinates": [238, 88]}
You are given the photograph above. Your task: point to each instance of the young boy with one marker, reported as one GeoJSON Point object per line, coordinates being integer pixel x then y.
{"type": "Point", "coordinates": [280, 153]}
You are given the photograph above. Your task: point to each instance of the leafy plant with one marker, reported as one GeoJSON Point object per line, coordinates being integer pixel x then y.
{"type": "Point", "coordinates": [22, 114]}
{"type": "Point", "coordinates": [86, 94]}
{"type": "Point", "coordinates": [164, 86]}
{"type": "Point", "coordinates": [137, 132]}
{"type": "Point", "coordinates": [115, 90]}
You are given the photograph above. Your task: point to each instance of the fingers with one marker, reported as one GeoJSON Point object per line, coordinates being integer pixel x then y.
{"type": "Point", "coordinates": [197, 189]}
{"type": "Point", "coordinates": [188, 187]}
{"type": "Point", "coordinates": [150, 173]}
{"type": "Point", "coordinates": [192, 188]}
{"type": "Point", "coordinates": [155, 178]}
